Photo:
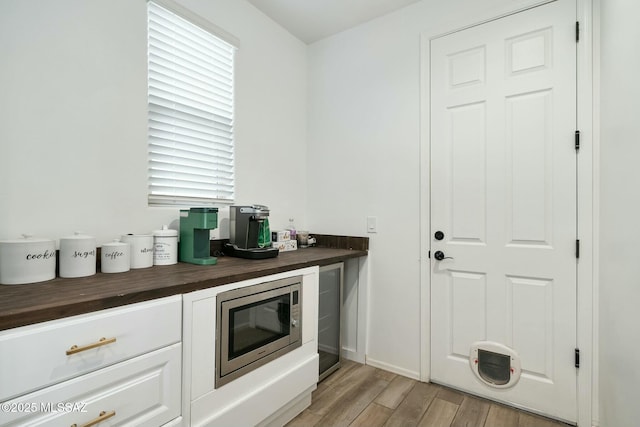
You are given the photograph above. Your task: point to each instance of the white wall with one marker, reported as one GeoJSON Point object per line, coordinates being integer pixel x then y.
{"type": "Point", "coordinates": [73, 145]}
{"type": "Point", "coordinates": [73, 116]}
{"type": "Point", "coordinates": [363, 160]}
{"type": "Point", "coordinates": [364, 157]}
{"type": "Point", "coordinates": [619, 213]}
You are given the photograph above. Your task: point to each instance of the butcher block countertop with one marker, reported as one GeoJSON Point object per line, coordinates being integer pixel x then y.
{"type": "Point", "coordinates": [22, 305]}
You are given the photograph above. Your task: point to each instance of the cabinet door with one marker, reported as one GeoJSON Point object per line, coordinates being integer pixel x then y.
{"type": "Point", "coordinates": [144, 391]}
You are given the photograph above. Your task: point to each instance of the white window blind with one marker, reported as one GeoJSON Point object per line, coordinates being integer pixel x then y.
{"type": "Point", "coordinates": [190, 96]}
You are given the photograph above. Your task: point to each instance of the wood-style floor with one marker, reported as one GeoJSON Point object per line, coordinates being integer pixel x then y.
{"type": "Point", "coordinates": [360, 395]}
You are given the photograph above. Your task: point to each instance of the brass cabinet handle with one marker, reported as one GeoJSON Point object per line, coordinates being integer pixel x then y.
{"type": "Point", "coordinates": [103, 341]}
{"type": "Point", "coordinates": [103, 416]}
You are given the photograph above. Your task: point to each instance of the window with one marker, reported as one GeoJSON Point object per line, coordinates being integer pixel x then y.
{"type": "Point", "coordinates": [190, 100]}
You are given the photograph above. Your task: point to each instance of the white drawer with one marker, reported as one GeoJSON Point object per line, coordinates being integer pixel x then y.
{"type": "Point", "coordinates": [144, 391]}
{"type": "Point", "coordinates": [33, 357]}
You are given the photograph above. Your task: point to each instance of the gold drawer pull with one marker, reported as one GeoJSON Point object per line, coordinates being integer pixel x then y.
{"type": "Point", "coordinates": [103, 416]}
{"type": "Point", "coordinates": [103, 341]}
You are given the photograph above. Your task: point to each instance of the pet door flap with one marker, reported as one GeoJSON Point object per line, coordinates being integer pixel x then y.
{"type": "Point", "coordinates": [495, 364]}
{"type": "Point", "coordinates": [494, 367]}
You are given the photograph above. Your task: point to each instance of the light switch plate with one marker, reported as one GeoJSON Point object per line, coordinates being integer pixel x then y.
{"type": "Point", "coordinates": [372, 224]}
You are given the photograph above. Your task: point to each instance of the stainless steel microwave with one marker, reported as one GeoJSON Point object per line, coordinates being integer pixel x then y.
{"type": "Point", "coordinates": [256, 325]}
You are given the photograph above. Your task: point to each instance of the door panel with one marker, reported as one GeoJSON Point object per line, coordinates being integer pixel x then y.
{"type": "Point", "coordinates": [467, 299]}
{"type": "Point", "coordinates": [531, 327]}
{"type": "Point", "coordinates": [467, 158]}
{"type": "Point", "coordinates": [503, 191]}
{"type": "Point", "coordinates": [529, 147]}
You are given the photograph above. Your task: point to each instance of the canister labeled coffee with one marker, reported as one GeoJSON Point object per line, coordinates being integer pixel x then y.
{"type": "Point", "coordinates": [115, 257]}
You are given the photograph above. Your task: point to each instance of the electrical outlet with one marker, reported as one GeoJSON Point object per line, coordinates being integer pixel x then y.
{"type": "Point", "coordinates": [372, 224]}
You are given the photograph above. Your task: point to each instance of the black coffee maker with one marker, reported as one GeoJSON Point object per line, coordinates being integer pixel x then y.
{"type": "Point", "coordinates": [246, 225]}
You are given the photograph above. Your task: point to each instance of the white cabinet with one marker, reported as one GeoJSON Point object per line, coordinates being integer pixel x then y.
{"type": "Point", "coordinates": [121, 366]}
{"type": "Point", "coordinates": [269, 395]}
{"type": "Point", "coordinates": [135, 392]}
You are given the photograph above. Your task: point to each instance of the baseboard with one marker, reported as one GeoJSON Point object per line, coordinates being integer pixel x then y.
{"type": "Point", "coordinates": [391, 368]}
{"type": "Point", "coordinates": [353, 355]}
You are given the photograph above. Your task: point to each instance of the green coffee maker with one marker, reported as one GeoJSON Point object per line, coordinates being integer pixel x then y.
{"type": "Point", "coordinates": [195, 224]}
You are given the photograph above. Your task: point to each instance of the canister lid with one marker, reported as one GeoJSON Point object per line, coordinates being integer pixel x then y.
{"type": "Point", "coordinates": [165, 232]}
{"type": "Point", "coordinates": [27, 238]}
{"type": "Point", "coordinates": [116, 243]}
{"type": "Point", "coordinates": [77, 235]}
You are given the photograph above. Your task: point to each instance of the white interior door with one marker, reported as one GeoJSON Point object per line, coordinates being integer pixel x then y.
{"type": "Point", "coordinates": [503, 193]}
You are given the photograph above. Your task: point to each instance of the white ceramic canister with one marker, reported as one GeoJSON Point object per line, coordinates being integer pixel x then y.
{"type": "Point", "coordinates": [77, 255]}
{"type": "Point", "coordinates": [27, 260]}
{"type": "Point", "coordinates": [141, 249]}
{"type": "Point", "coordinates": [165, 246]}
{"type": "Point", "coordinates": [115, 257]}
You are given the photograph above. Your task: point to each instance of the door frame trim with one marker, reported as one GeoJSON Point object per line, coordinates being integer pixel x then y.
{"type": "Point", "coordinates": [588, 179]}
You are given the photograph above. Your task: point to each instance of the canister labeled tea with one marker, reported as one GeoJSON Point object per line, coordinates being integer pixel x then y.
{"type": "Point", "coordinates": [141, 249]}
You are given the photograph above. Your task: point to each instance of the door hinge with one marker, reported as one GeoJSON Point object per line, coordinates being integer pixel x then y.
{"type": "Point", "coordinates": [577, 31]}
{"type": "Point", "coordinates": [577, 248]}
{"type": "Point", "coordinates": [577, 358]}
{"type": "Point", "coordinates": [577, 140]}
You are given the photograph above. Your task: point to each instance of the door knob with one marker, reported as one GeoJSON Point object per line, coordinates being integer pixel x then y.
{"type": "Point", "coordinates": [439, 255]}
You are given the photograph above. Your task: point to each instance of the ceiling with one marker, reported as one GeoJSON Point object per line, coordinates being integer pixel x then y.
{"type": "Point", "coordinates": [312, 20]}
